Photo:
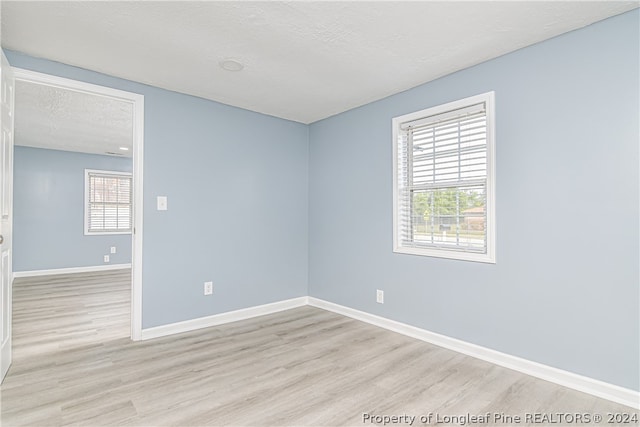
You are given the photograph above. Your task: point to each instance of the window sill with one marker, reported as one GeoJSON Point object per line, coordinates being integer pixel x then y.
{"type": "Point", "coordinates": [105, 233]}
{"type": "Point", "coordinates": [440, 253]}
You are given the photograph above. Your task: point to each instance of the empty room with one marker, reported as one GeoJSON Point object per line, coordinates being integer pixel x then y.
{"type": "Point", "coordinates": [319, 213]}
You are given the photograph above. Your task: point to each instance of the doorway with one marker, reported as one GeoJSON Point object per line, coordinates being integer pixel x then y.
{"type": "Point", "coordinates": [134, 104]}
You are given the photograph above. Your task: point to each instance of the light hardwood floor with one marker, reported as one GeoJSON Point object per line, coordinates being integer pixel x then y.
{"type": "Point", "coordinates": [75, 365]}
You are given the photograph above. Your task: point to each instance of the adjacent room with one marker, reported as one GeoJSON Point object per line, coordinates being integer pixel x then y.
{"type": "Point", "coordinates": [72, 217]}
{"type": "Point", "coordinates": [320, 213]}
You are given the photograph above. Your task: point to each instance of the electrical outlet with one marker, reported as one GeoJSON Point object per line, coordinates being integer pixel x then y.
{"type": "Point", "coordinates": [208, 288]}
{"type": "Point", "coordinates": [161, 202]}
{"type": "Point", "coordinates": [379, 296]}
{"type": "Point", "coordinates": [106, 258]}
{"type": "Point", "coordinates": [113, 249]}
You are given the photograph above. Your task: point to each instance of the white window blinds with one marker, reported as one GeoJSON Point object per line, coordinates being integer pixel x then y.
{"type": "Point", "coordinates": [108, 202]}
{"type": "Point", "coordinates": [442, 180]}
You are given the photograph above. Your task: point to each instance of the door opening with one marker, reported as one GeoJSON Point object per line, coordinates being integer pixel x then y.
{"type": "Point", "coordinates": [136, 104]}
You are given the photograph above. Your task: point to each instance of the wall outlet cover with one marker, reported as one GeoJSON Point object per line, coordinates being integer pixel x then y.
{"type": "Point", "coordinates": [162, 203]}
{"type": "Point", "coordinates": [208, 288]}
{"type": "Point", "coordinates": [106, 258]}
{"type": "Point", "coordinates": [379, 296]}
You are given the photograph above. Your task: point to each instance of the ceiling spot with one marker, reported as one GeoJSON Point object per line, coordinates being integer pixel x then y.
{"type": "Point", "coordinates": [231, 65]}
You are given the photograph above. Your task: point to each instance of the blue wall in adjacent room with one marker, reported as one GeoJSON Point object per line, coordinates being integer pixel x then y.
{"type": "Point", "coordinates": [48, 209]}
{"type": "Point", "coordinates": [564, 291]}
{"type": "Point", "coordinates": [236, 183]}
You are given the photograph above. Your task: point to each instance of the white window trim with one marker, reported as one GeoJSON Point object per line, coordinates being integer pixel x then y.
{"type": "Point", "coordinates": [87, 172]}
{"type": "Point", "coordinates": [490, 256]}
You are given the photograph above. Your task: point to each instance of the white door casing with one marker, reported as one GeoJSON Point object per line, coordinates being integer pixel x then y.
{"type": "Point", "coordinates": [137, 100]}
{"type": "Point", "coordinates": [7, 93]}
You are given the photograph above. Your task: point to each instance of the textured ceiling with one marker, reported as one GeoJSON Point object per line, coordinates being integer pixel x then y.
{"type": "Point", "coordinates": [61, 119]}
{"type": "Point", "coordinates": [304, 61]}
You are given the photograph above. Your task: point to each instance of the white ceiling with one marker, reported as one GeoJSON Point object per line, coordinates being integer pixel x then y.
{"type": "Point", "coordinates": [62, 119]}
{"type": "Point", "coordinates": [304, 61]}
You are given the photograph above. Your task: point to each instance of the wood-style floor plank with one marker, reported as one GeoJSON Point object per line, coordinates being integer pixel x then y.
{"type": "Point", "coordinates": [74, 364]}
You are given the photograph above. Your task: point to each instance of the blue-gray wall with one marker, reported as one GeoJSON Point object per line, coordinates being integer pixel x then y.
{"type": "Point", "coordinates": [48, 208]}
{"type": "Point", "coordinates": [269, 209]}
{"type": "Point", "coordinates": [564, 290]}
{"type": "Point", "coordinates": [236, 183]}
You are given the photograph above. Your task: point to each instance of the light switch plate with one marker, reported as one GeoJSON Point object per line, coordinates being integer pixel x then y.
{"type": "Point", "coordinates": [162, 203]}
{"type": "Point", "coordinates": [113, 249]}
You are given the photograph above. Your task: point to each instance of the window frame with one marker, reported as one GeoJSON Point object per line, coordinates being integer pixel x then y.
{"type": "Point", "coordinates": [489, 256]}
{"type": "Point", "coordinates": [87, 174]}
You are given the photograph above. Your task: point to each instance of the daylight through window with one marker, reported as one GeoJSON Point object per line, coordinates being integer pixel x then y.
{"type": "Point", "coordinates": [443, 173]}
{"type": "Point", "coordinates": [108, 202]}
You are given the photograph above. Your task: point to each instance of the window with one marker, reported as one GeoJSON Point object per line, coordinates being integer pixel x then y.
{"type": "Point", "coordinates": [443, 176]}
{"type": "Point", "coordinates": [107, 207]}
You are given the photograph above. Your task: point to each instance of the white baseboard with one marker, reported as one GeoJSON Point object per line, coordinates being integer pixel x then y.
{"type": "Point", "coordinates": [581, 383]}
{"type": "Point", "coordinates": [71, 270]}
{"type": "Point", "coordinates": [564, 378]}
{"type": "Point", "coordinates": [222, 318]}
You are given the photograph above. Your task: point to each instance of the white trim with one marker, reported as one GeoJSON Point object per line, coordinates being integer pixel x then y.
{"type": "Point", "coordinates": [76, 85]}
{"type": "Point", "coordinates": [70, 270]}
{"type": "Point", "coordinates": [222, 318]}
{"type": "Point", "coordinates": [138, 219]}
{"type": "Point", "coordinates": [561, 377]}
{"type": "Point", "coordinates": [564, 378]}
{"type": "Point", "coordinates": [137, 101]}
{"type": "Point", "coordinates": [488, 99]}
